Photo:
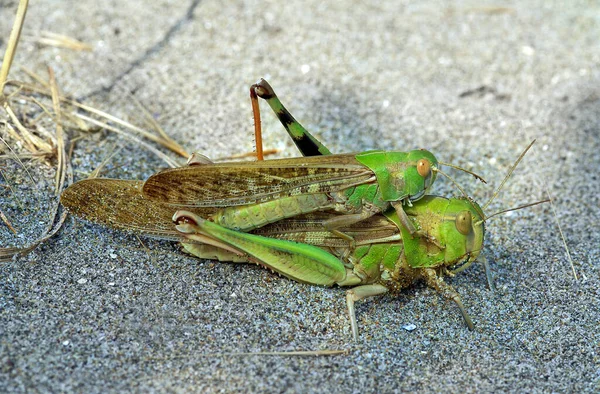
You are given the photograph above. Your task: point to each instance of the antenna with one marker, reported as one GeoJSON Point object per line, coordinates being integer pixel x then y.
{"type": "Point", "coordinates": [513, 209]}
{"type": "Point", "coordinates": [507, 176]}
{"type": "Point", "coordinates": [478, 177]}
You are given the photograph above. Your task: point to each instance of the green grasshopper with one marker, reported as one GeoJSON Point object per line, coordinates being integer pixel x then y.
{"type": "Point", "coordinates": [123, 205]}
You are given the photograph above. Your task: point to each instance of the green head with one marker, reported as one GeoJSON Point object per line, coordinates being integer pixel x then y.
{"type": "Point", "coordinates": [401, 175]}
{"type": "Point", "coordinates": [451, 232]}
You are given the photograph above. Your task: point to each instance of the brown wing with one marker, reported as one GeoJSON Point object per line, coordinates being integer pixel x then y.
{"type": "Point", "coordinates": [309, 229]}
{"type": "Point", "coordinates": [120, 204]}
{"type": "Point", "coordinates": [241, 183]}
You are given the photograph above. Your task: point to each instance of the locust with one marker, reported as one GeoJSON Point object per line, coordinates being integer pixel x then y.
{"type": "Point", "coordinates": [385, 254]}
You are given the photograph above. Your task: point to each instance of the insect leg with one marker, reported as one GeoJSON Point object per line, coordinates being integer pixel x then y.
{"type": "Point", "coordinates": [364, 210]}
{"type": "Point", "coordinates": [346, 237]}
{"type": "Point", "coordinates": [360, 293]}
{"type": "Point", "coordinates": [404, 218]}
{"type": "Point", "coordinates": [346, 220]}
{"type": "Point", "coordinates": [257, 124]}
{"type": "Point", "coordinates": [488, 273]}
{"type": "Point", "coordinates": [486, 267]}
{"type": "Point", "coordinates": [337, 222]}
{"type": "Point", "coordinates": [211, 252]}
{"type": "Point", "coordinates": [436, 282]}
{"type": "Point", "coordinates": [410, 227]}
{"type": "Point", "coordinates": [297, 261]}
{"type": "Point", "coordinates": [306, 142]}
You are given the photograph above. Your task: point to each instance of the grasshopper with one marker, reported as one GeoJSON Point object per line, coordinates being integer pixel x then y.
{"type": "Point", "coordinates": [386, 256]}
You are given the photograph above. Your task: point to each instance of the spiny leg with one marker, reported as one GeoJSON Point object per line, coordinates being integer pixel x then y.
{"type": "Point", "coordinates": [306, 142]}
{"type": "Point", "coordinates": [360, 293]}
{"type": "Point", "coordinates": [436, 282]}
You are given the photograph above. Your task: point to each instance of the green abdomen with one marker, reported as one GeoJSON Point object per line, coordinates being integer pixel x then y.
{"type": "Point", "coordinates": [249, 217]}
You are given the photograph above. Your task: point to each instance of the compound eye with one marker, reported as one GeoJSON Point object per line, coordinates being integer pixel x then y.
{"type": "Point", "coordinates": [424, 168]}
{"type": "Point", "coordinates": [464, 222]}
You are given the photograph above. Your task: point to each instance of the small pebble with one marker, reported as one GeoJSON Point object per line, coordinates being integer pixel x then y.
{"type": "Point", "coordinates": [409, 327]}
{"type": "Point", "coordinates": [82, 281]}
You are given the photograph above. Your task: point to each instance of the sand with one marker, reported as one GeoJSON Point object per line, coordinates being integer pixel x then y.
{"type": "Point", "coordinates": [92, 310]}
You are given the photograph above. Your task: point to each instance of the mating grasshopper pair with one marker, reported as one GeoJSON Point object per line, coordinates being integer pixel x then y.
{"type": "Point", "coordinates": [357, 220]}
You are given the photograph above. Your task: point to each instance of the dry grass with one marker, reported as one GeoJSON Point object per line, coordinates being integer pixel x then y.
{"type": "Point", "coordinates": [61, 41]}
{"type": "Point", "coordinates": [564, 240]}
{"type": "Point", "coordinates": [41, 124]}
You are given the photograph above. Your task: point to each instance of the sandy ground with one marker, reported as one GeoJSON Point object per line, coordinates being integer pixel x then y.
{"type": "Point", "coordinates": [93, 311]}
